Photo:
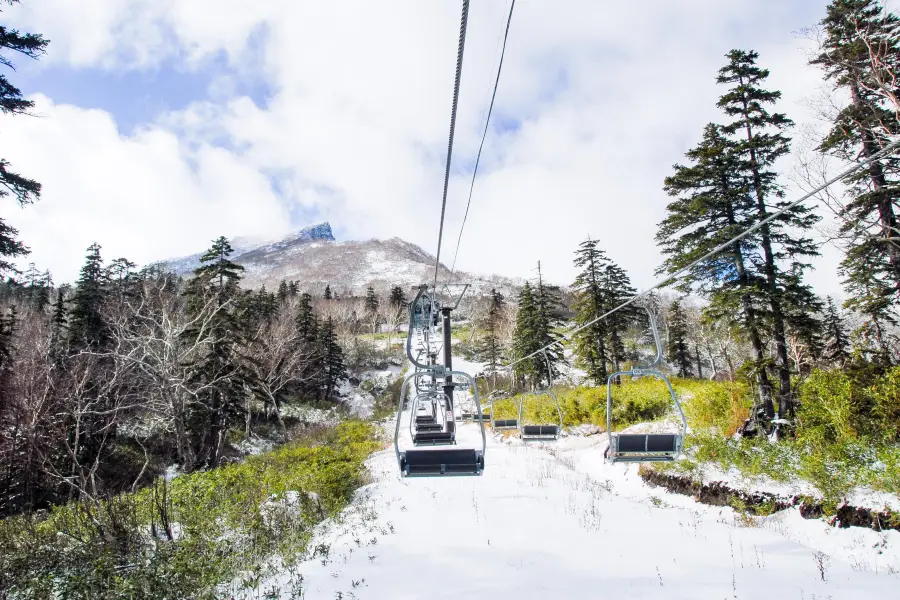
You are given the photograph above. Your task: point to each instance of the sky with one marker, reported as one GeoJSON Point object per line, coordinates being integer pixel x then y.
{"type": "Point", "coordinates": [160, 125]}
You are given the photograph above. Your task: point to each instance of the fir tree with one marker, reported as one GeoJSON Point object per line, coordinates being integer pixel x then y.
{"type": "Point", "coordinates": [293, 289]}
{"type": "Point", "coordinates": [371, 306]}
{"type": "Point", "coordinates": [26, 191]}
{"type": "Point", "coordinates": [871, 266]}
{"type": "Point", "coordinates": [398, 298]}
{"type": "Point", "coordinates": [590, 303]}
{"type": "Point", "coordinates": [527, 338]}
{"type": "Point", "coordinates": [327, 295]}
{"type": "Point", "coordinates": [678, 344]}
{"type": "Point", "coordinates": [332, 358]}
{"type": "Point", "coordinates": [712, 206]}
{"type": "Point", "coordinates": [86, 323]}
{"type": "Point", "coordinates": [618, 289]}
{"type": "Point", "coordinates": [283, 292]}
{"type": "Point", "coordinates": [837, 345]}
{"type": "Point", "coordinates": [759, 141]}
{"type": "Point", "coordinates": [490, 348]}
{"type": "Point", "coordinates": [549, 312]}
{"type": "Point", "coordinates": [218, 369]}
{"type": "Point", "coordinates": [306, 322]}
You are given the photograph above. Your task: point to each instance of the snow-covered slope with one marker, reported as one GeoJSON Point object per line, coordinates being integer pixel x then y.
{"type": "Point", "coordinates": [551, 520]}
{"type": "Point", "coordinates": [314, 259]}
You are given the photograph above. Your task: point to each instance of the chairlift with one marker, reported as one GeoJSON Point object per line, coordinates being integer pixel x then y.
{"type": "Point", "coordinates": [547, 431]}
{"type": "Point", "coordinates": [501, 424]}
{"type": "Point", "coordinates": [644, 447]}
{"type": "Point", "coordinates": [419, 462]}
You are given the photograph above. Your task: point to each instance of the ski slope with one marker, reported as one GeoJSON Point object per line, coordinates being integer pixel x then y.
{"type": "Point", "coordinates": [551, 520]}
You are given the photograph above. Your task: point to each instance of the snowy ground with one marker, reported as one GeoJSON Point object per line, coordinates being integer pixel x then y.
{"type": "Point", "coordinates": [551, 520]}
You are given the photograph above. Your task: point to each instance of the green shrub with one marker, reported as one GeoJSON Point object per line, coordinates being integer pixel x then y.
{"type": "Point", "coordinates": [719, 407]}
{"type": "Point", "coordinates": [120, 547]}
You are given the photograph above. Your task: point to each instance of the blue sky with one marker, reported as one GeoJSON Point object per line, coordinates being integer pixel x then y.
{"type": "Point", "coordinates": [164, 127]}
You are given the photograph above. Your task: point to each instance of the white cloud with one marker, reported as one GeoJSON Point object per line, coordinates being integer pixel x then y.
{"type": "Point", "coordinates": [609, 97]}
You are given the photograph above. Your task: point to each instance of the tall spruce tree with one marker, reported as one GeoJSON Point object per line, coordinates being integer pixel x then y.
{"type": "Point", "coordinates": [711, 206]}
{"type": "Point", "coordinates": [869, 229]}
{"type": "Point", "coordinates": [591, 302]}
{"type": "Point", "coordinates": [332, 355]}
{"type": "Point", "coordinates": [837, 344]}
{"type": "Point", "coordinates": [327, 295]}
{"type": "Point", "coordinates": [398, 298]}
{"type": "Point", "coordinates": [490, 348]}
{"type": "Point", "coordinates": [527, 338]}
{"type": "Point", "coordinates": [87, 327]}
{"type": "Point", "coordinates": [678, 339]}
{"type": "Point", "coordinates": [214, 292]}
{"type": "Point", "coordinates": [25, 191]}
{"type": "Point", "coordinates": [549, 310]}
{"type": "Point", "coordinates": [759, 141]}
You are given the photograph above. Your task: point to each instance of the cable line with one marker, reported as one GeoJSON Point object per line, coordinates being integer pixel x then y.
{"type": "Point", "coordinates": [483, 136]}
{"type": "Point", "coordinates": [459, 60]}
{"type": "Point", "coordinates": [884, 152]}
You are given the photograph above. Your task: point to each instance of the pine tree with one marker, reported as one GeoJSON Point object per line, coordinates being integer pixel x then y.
{"type": "Point", "coordinates": [86, 324]}
{"type": "Point", "coordinates": [711, 206]}
{"type": "Point", "coordinates": [398, 298]}
{"type": "Point", "coordinates": [590, 303]}
{"type": "Point", "coordinates": [334, 368]}
{"type": "Point", "coordinates": [678, 345]}
{"type": "Point", "coordinates": [26, 191]}
{"type": "Point", "coordinates": [293, 289]}
{"type": "Point", "coordinates": [327, 295]}
{"type": "Point", "coordinates": [759, 141]}
{"type": "Point", "coordinates": [837, 345]}
{"type": "Point", "coordinates": [871, 266]}
{"type": "Point", "coordinates": [527, 338]}
{"type": "Point", "coordinates": [283, 292]}
{"type": "Point", "coordinates": [617, 289]}
{"type": "Point", "coordinates": [549, 310]}
{"type": "Point", "coordinates": [217, 369]}
{"type": "Point", "coordinates": [490, 348]}
{"type": "Point", "coordinates": [306, 322]}
{"type": "Point", "coordinates": [371, 306]}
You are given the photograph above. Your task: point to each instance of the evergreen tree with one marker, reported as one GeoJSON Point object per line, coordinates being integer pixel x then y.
{"type": "Point", "coordinates": [527, 338]}
{"type": "Point", "coordinates": [332, 357]}
{"type": "Point", "coordinates": [871, 266]}
{"type": "Point", "coordinates": [398, 298]}
{"type": "Point", "coordinates": [837, 345]}
{"type": "Point", "coordinates": [26, 191]}
{"type": "Point", "coordinates": [712, 206]}
{"type": "Point", "coordinates": [371, 306]}
{"type": "Point", "coordinates": [678, 344]}
{"type": "Point", "coordinates": [617, 289]}
{"type": "Point", "coordinates": [86, 323]}
{"type": "Point", "coordinates": [283, 292]}
{"type": "Point", "coordinates": [306, 321]}
{"type": "Point", "coordinates": [293, 289]}
{"type": "Point", "coordinates": [218, 369]}
{"type": "Point", "coordinates": [327, 294]}
{"type": "Point", "coordinates": [490, 348]}
{"type": "Point", "coordinates": [38, 287]}
{"type": "Point", "coordinates": [590, 303]}
{"type": "Point", "coordinates": [759, 141]}
{"type": "Point", "coordinates": [549, 311]}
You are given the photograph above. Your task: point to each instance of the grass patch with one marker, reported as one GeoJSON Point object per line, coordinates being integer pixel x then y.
{"type": "Point", "coordinates": [185, 537]}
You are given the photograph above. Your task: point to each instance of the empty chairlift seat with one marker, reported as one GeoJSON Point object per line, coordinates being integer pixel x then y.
{"type": "Point", "coordinates": [431, 432]}
{"type": "Point", "coordinates": [541, 431]}
{"type": "Point", "coordinates": [644, 447]}
{"type": "Point", "coordinates": [501, 424]}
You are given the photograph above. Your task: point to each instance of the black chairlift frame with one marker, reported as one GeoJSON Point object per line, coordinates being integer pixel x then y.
{"type": "Point", "coordinates": [644, 447]}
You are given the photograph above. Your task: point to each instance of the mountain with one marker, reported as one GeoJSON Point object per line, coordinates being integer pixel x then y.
{"type": "Point", "coordinates": [313, 258]}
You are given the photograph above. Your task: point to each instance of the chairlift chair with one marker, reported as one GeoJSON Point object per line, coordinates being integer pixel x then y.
{"type": "Point", "coordinates": [644, 447]}
{"type": "Point", "coordinates": [419, 462]}
{"type": "Point", "coordinates": [548, 431]}
{"type": "Point", "coordinates": [501, 424]}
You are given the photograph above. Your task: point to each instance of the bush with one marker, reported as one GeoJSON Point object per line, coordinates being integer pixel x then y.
{"type": "Point", "coordinates": [181, 539]}
{"type": "Point", "coordinates": [719, 407]}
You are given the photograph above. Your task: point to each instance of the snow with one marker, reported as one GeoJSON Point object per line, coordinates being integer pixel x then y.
{"type": "Point", "coordinates": [553, 520]}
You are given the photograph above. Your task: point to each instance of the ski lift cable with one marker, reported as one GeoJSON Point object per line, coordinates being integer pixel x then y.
{"type": "Point", "coordinates": [851, 170]}
{"type": "Point", "coordinates": [459, 59]}
{"type": "Point", "coordinates": [487, 123]}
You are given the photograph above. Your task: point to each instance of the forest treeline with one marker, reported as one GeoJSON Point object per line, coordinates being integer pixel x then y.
{"type": "Point", "coordinates": [750, 313]}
